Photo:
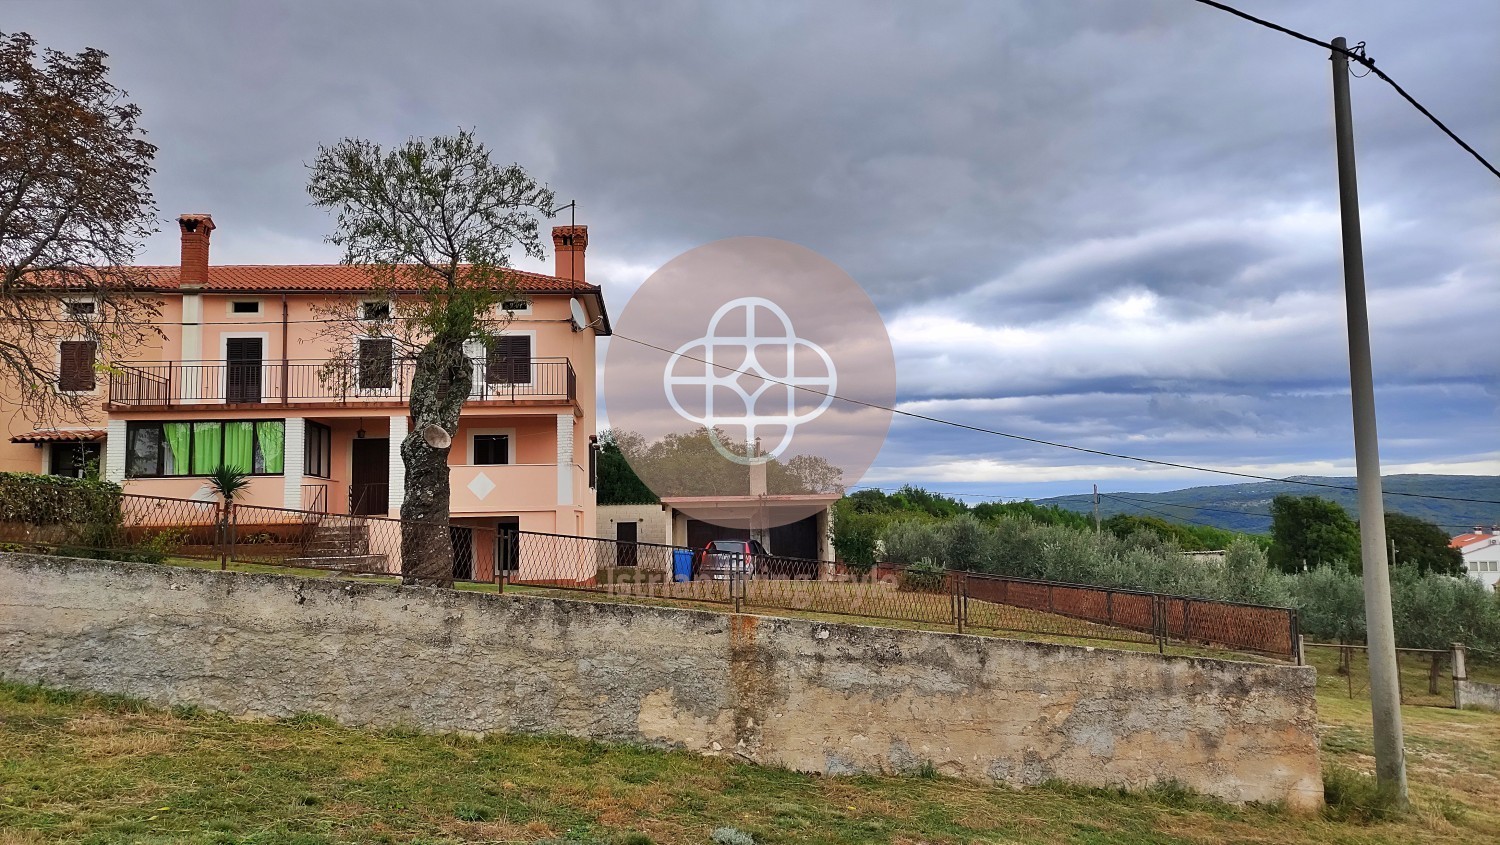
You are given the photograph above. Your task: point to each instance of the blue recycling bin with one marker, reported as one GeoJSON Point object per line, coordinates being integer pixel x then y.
{"type": "Point", "coordinates": [682, 565]}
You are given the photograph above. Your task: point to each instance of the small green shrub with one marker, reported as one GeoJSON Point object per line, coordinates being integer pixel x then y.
{"type": "Point", "coordinates": [923, 577]}
{"type": "Point", "coordinates": [1351, 796]}
{"type": "Point", "coordinates": [473, 813]}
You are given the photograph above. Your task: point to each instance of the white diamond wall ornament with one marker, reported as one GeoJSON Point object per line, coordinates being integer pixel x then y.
{"type": "Point", "coordinates": [481, 486]}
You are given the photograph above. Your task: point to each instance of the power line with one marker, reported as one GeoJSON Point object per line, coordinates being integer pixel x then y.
{"type": "Point", "coordinates": [1165, 514]}
{"type": "Point", "coordinates": [1357, 54]}
{"type": "Point", "coordinates": [1035, 440]}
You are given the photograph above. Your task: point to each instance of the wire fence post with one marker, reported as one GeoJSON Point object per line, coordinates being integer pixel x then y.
{"type": "Point", "coordinates": [1460, 674]}
{"type": "Point", "coordinates": [1299, 652]}
{"type": "Point", "coordinates": [1159, 623]}
{"type": "Point", "coordinates": [221, 533]}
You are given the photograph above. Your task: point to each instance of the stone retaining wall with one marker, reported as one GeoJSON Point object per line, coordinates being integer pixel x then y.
{"type": "Point", "coordinates": [830, 698]}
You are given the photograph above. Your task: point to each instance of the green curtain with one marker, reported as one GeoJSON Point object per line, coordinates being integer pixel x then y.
{"type": "Point", "coordinates": [239, 446]}
{"type": "Point", "coordinates": [207, 439]}
{"type": "Point", "coordinates": [179, 440]}
{"type": "Point", "coordinates": [272, 437]}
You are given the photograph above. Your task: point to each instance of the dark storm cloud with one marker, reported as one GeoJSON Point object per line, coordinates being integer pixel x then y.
{"type": "Point", "coordinates": [1118, 219]}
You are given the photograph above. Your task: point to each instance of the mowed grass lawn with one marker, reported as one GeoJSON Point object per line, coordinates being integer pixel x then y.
{"type": "Point", "coordinates": [81, 768]}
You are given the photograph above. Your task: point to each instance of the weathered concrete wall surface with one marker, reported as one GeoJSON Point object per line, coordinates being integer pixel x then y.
{"type": "Point", "coordinates": [1476, 694]}
{"type": "Point", "coordinates": [807, 695]}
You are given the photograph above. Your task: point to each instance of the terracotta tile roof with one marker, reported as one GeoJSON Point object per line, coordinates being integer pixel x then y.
{"type": "Point", "coordinates": [60, 435]}
{"type": "Point", "coordinates": [1470, 539]}
{"type": "Point", "coordinates": [323, 277]}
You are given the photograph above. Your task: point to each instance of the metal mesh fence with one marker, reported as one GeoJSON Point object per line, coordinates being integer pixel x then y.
{"type": "Point", "coordinates": [1426, 675]}
{"type": "Point", "coordinates": [156, 529]}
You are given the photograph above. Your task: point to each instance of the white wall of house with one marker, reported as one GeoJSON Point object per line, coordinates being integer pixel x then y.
{"type": "Point", "coordinates": [1482, 560]}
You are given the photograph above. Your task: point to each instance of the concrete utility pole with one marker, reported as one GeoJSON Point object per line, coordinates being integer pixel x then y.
{"type": "Point", "coordinates": [1385, 690]}
{"type": "Point", "coordinates": [1097, 530]}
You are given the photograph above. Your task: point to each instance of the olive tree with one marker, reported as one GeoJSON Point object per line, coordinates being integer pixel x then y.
{"type": "Point", "coordinates": [75, 205]}
{"type": "Point", "coordinates": [433, 221]}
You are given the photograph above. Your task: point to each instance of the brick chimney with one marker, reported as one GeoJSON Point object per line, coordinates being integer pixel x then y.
{"type": "Point", "coordinates": [570, 243]}
{"type": "Point", "coordinates": [195, 232]}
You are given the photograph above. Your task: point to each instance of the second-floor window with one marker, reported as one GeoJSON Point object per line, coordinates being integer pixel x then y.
{"type": "Point", "coordinates": [375, 359]}
{"type": "Point", "coordinates": [509, 360]}
{"type": "Point", "coordinates": [75, 370]}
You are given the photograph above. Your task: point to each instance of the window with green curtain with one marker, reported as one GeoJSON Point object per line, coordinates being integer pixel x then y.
{"type": "Point", "coordinates": [271, 455]}
{"type": "Point", "coordinates": [239, 446]}
{"type": "Point", "coordinates": [179, 437]}
{"type": "Point", "coordinates": [208, 441]}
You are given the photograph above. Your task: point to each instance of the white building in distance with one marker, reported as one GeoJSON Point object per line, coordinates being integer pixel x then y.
{"type": "Point", "coordinates": [1481, 551]}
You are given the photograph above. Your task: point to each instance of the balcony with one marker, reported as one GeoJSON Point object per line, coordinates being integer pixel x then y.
{"type": "Point", "coordinates": [166, 384]}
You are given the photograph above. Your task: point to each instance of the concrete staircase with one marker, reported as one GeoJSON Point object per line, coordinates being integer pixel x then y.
{"type": "Point", "coordinates": [343, 543]}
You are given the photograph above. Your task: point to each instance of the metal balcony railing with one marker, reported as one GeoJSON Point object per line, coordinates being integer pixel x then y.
{"type": "Point", "coordinates": [169, 383]}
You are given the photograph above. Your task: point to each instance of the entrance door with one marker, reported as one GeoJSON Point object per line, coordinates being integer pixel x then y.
{"type": "Point", "coordinates": [369, 484]}
{"type": "Point", "coordinates": [625, 538]}
{"type": "Point", "coordinates": [242, 362]}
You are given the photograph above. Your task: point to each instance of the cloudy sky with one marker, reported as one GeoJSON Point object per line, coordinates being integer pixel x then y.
{"type": "Point", "coordinates": [1108, 223]}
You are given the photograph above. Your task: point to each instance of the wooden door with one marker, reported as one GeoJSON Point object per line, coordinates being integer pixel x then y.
{"type": "Point", "coordinates": [369, 483]}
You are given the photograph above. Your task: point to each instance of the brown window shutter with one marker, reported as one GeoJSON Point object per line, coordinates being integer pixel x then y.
{"type": "Point", "coordinates": [76, 372]}
{"type": "Point", "coordinates": [375, 361]}
{"type": "Point", "coordinates": [509, 359]}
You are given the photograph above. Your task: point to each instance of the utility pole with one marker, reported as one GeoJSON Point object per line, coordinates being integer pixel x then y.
{"type": "Point", "coordinates": [1385, 690]}
{"type": "Point", "coordinates": [1097, 530]}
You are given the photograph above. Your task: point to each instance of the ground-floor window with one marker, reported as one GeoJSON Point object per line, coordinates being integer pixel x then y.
{"type": "Point", "coordinates": [74, 460]}
{"type": "Point", "coordinates": [318, 458]}
{"type": "Point", "coordinates": [198, 447]}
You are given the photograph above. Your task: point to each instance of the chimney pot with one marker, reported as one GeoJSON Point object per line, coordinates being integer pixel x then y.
{"type": "Point", "coordinates": [569, 243]}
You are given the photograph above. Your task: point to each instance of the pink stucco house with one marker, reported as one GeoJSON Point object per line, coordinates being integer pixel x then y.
{"type": "Point", "coordinates": [239, 375]}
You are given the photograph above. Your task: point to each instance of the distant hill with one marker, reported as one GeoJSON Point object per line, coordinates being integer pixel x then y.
{"type": "Point", "coordinates": [1246, 507]}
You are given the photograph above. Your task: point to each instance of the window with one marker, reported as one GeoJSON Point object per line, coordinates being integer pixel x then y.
{"type": "Point", "coordinates": [75, 371]}
{"type": "Point", "coordinates": [509, 359]}
{"type": "Point", "coordinates": [74, 460]}
{"type": "Point", "coordinates": [492, 448]}
{"type": "Point", "coordinates": [155, 449]}
{"type": "Point", "coordinates": [375, 310]}
{"type": "Point", "coordinates": [245, 307]}
{"type": "Point", "coordinates": [318, 455]}
{"type": "Point", "coordinates": [516, 305]}
{"type": "Point", "coordinates": [80, 309]}
{"type": "Point", "coordinates": [375, 358]}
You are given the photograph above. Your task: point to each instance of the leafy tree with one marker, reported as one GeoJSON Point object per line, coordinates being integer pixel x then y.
{"type": "Point", "coordinates": [1310, 531]}
{"type": "Point", "coordinates": [74, 205]}
{"type": "Point", "coordinates": [1040, 514]}
{"type": "Point", "coordinates": [1423, 545]}
{"type": "Point", "coordinates": [618, 483]}
{"type": "Point", "coordinates": [690, 464]}
{"type": "Point", "coordinates": [433, 221]}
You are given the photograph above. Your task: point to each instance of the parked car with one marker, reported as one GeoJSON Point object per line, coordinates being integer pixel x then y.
{"type": "Point", "coordinates": [721, 559]}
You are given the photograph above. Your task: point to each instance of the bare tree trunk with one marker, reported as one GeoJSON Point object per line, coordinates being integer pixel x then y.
{"type": "Point", "coordinates": [439, 386]}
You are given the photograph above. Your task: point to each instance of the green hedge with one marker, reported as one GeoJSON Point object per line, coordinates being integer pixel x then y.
{"type": "Point", "coordinates": [55, 500]}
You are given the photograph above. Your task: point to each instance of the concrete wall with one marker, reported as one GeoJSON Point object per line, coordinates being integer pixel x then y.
{"type": "Point", "coordinates": [810, 696]}
{"type": "Point", "coordinates": [654, 524]}
{"type": "Point", "coordinates": [1477, 695]}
